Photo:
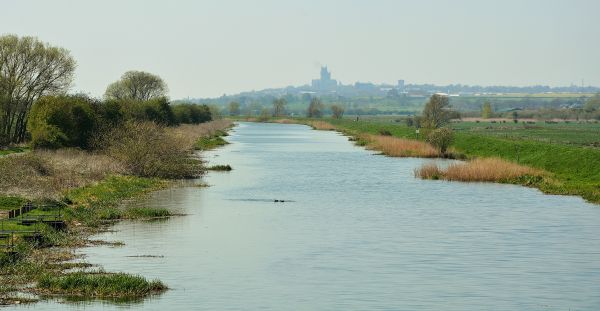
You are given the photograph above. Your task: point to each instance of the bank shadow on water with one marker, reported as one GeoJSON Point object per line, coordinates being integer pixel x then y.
{"type": "Point", "coordinates": [362, 234]}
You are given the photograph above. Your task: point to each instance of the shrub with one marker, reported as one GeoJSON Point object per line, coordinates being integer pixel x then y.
{"type": "Point", "coordinates": [62, 121]}
{"type": "Point", "coordinates": [148, 150]}
{"type": "Point", "coordinates": [441, 139]}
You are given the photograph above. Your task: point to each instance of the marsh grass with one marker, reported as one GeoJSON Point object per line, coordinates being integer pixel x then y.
{"type": "Point", "coordinates": [322, 125]}
{"type": "Point", "coordinates": [99, 285]}
{"type": "Point", "coordinates": [482, 170]}
{"type": "Point", "coordinates": [220, 168]}
{"type": "Point", "coordinates": [399, 147]}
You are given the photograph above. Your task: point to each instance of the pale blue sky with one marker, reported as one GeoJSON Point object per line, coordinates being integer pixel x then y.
{"type": "Point", "coordinates": [207, 48]}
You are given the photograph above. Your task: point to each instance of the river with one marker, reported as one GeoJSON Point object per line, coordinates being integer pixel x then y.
{"type": "Point", "coordinates": [357, 231]}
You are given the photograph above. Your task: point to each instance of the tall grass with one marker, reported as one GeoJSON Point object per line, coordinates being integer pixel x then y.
{"type": "Point", "coordinates": [400, 147]}
{"type": "Point", "coordinates": [47, 174]}
{"type": "Point", "coordinates": [322, 125]}
{"type": "Point", "coordinates": [120, 285]}
{"type": "Point", "coordinates": [482, 170]}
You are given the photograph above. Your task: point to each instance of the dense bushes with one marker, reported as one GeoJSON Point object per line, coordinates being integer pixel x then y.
{"type": "Point", "coordinates": [72, 121]}
{"type": "Point", "coordinates": [149, 150]}
{"type": "Point", "coordinates": [62, 121]}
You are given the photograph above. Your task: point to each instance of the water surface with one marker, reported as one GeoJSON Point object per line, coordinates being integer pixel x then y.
{"type": "Point", "coordinates": [357, 232]}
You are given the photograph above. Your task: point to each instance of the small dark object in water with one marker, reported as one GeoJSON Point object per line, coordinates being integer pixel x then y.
{"type": "Point", "coordinates": [280, 201]}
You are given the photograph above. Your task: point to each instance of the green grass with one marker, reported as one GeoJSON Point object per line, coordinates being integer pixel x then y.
{"type": "Point", "coordinates": [99, 202]}
{"type": "Point", "coordinates": [145, 212]}
{"type": "Point", "coordinates": [574, 169]}
{"type": "Point", "coordinates": [212, 142]}
{"type": "Point", "coordinates": [99, 285]}
{"type": "Point", "coordinates": [10, 203]}
{"type": "Point", "coordinates": [10, 150]}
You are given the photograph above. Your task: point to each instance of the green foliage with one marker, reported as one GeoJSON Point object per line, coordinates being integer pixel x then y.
{"type": "Point", "coordinates": [10, 203]}
{"type": "Point", "coordinates": [99, 285]}
{"type": "Point", "coordinates": [436, 112]}
{"type": "Point", "coordinates": [191, 113]}
{"type": "Point", "coordinates": [211, 142]}
{"type": "Point", "coordinates": [220, 168]}
{"type": "Point", "coordinates": [137, 86]}
{"type": "Point", "coordinates": [62, 121]}
{"type": "Point", "coordinates": [145, 212]}
{"type": "Point", "coordinates": [486, 110]}
{"type": "Point", "coordinates": [593, 104]}
{"type": "Point", "coordinates": [441, 139]}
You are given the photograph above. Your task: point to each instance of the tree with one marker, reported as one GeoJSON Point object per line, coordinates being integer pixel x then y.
{"type": "Point", "coordinates": [337, 111]}
{"type": "Point", "coordinates": [441, 138]}
{"type": "Point", "coordinates": [436, 112]}
{"type": "Point", "coordinates": [234, 108]}
{"type": "Point", "coordinates": [279, 107]}
{"type": "Point", "coordinates": [137, 85]}
{"type": "Point", "coordinates": [29, 69]}
{"type": "Point", "coordinates": [62, 121]}
{"type": "Point", "coordinates": [486, 110]}
{"type": "Point", "coordinates": [315, 108]}
{"type": "Point", "coordinates": [515, 116]}
{"type": "Point", "coordinates": [593, 103]}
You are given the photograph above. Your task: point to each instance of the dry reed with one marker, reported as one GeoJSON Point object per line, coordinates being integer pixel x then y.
{"type": "Point", "coordinates": [400, 147]}
{"type": "Point", "coordinates": [322, 126]}
{"type": "Point", "coordinates": [483, 170]}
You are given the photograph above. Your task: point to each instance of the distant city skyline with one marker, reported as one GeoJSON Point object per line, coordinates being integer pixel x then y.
{"type": "Point", "coordinates": [209, 48]}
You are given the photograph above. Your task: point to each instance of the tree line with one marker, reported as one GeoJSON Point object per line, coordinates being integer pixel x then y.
{"type": "Point", "coordinates": [34, 104]}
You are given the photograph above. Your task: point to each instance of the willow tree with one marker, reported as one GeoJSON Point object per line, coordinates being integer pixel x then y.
{"type": "Point", "coordinates": [436, 112]}
{"type": "Point", "coordinates": [29, 69]}
{"type": "Point", "coordinates": [138, 86]}
{"type": "Point", "coordinates": [279, 107]}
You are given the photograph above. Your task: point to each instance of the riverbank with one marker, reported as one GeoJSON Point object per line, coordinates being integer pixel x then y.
{"type": "Point", "coordinates": [86, 192]}
{"type": "Point", "coordinates": [565, 169]}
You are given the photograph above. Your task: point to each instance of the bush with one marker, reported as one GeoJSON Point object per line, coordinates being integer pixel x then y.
{"type": "Point", "coordinates": [148, 150]}
{"type": "Point", "coordinates": [441, 139]}
{"type": "Point", "coordinates": [191, 113]}
{"type": "Point", "coordinates": [62, 121]}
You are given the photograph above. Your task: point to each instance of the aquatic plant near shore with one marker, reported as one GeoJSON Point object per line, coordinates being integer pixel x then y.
{"type": "Point", "coordinates": [400, 147]}
{"type": "Point", "coordinates": [99, 284]}
{"type": "Point", "coordinates": [483, 170]}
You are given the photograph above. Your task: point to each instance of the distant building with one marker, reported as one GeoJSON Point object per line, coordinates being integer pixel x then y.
{"type": "Point", "coordinates": [325, 83]}
{"type": "Point", "coordinates": [400, 85]}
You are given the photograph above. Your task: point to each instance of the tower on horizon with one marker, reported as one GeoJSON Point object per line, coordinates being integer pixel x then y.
{"type": "Point", "coordinates": [325, 83]}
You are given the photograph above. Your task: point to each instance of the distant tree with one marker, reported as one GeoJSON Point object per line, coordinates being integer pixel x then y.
{"type": "Point", "coordinates": [62, 121]}
{"type": "Point", "coordinates": [315, 108]}
{"type": "Point", "coordinates": [29, 69]}
{"type": "Point", "coordinates": [234, 108]}
{"type": "Point", "coordinates": [191, 113]}
{"type": "Point", "coordinates": [265, 115]}
{"type": "Point", "coordinates": [279, 107]}
{"type": "Point", "coordinates": [486, 110]}
{"type": "Point", "coordinates": [337, 111]}
{"type": "Point", "coordinates": [215, 112]}
{"type": "Point", "coordinates": [137, 85]}
{"type": "Point", "coordinates": [592, 104]}
{"type": "Point", "coordinates": [441, 138]}
{"type": "Point", "coordinates": [409, 121]}
{"type": "Point", "coordinates": [436, 112]}
{"type": "Point", "coordinates": [515, 116]}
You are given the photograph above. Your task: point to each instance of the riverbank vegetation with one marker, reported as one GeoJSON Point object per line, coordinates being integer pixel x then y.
{"type": "Point", "coordinates": [481, 170]}
{"type": "Point", "coordinates": [77, 159]}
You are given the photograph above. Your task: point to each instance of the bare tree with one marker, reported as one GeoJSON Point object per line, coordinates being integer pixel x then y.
{"type": "Point", "coordinates": [315, 108]}
{"type": "Point", "coordinates": [29, 69]}
{"type": "Point", "coordinates": [337, 111]}
{"type": "Point", "coordinates": [279, 107]}
{"type": "Point", "coordinates": [137, 85]}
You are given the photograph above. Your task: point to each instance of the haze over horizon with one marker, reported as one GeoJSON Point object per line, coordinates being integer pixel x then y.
{"type": "Point", "coordinates": [208, 48]}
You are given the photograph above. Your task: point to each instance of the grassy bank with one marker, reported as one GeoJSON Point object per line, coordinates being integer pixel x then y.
{"type": "Point", "coordinates": [92, 188]}
{"type": "Point", "coordinates": [570, 169]}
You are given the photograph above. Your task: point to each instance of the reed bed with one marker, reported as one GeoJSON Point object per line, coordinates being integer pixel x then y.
{"type": "Point", "coordinates": [192, 132]}
{"type": "Point", "coordinates": [400, 147]}
{"type": "Point", "coordinates": [478, 170]}
{"type": "Point", "coordinates": [322, 126]}
{"type": "Point", "coordinates": [285, 121]}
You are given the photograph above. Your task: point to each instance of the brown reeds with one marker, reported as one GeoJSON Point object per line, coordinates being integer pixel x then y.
{"type": "Point", "coordinates": [322, 126]}
{"type": "Point", "coordinates": [400, 147]}
{"type": "Point", "coordinates": [482, 170]}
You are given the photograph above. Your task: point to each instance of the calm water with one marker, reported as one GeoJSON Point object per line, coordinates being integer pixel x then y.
{"type": "Point", "coordinates": [357, 232]}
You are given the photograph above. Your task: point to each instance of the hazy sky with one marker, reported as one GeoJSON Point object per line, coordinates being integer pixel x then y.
{"type": "Point", "coordinates": [207, 48]}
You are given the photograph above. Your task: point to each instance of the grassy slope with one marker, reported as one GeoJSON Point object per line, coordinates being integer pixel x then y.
{"type": "Point", "coordinates": [576, 169]}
